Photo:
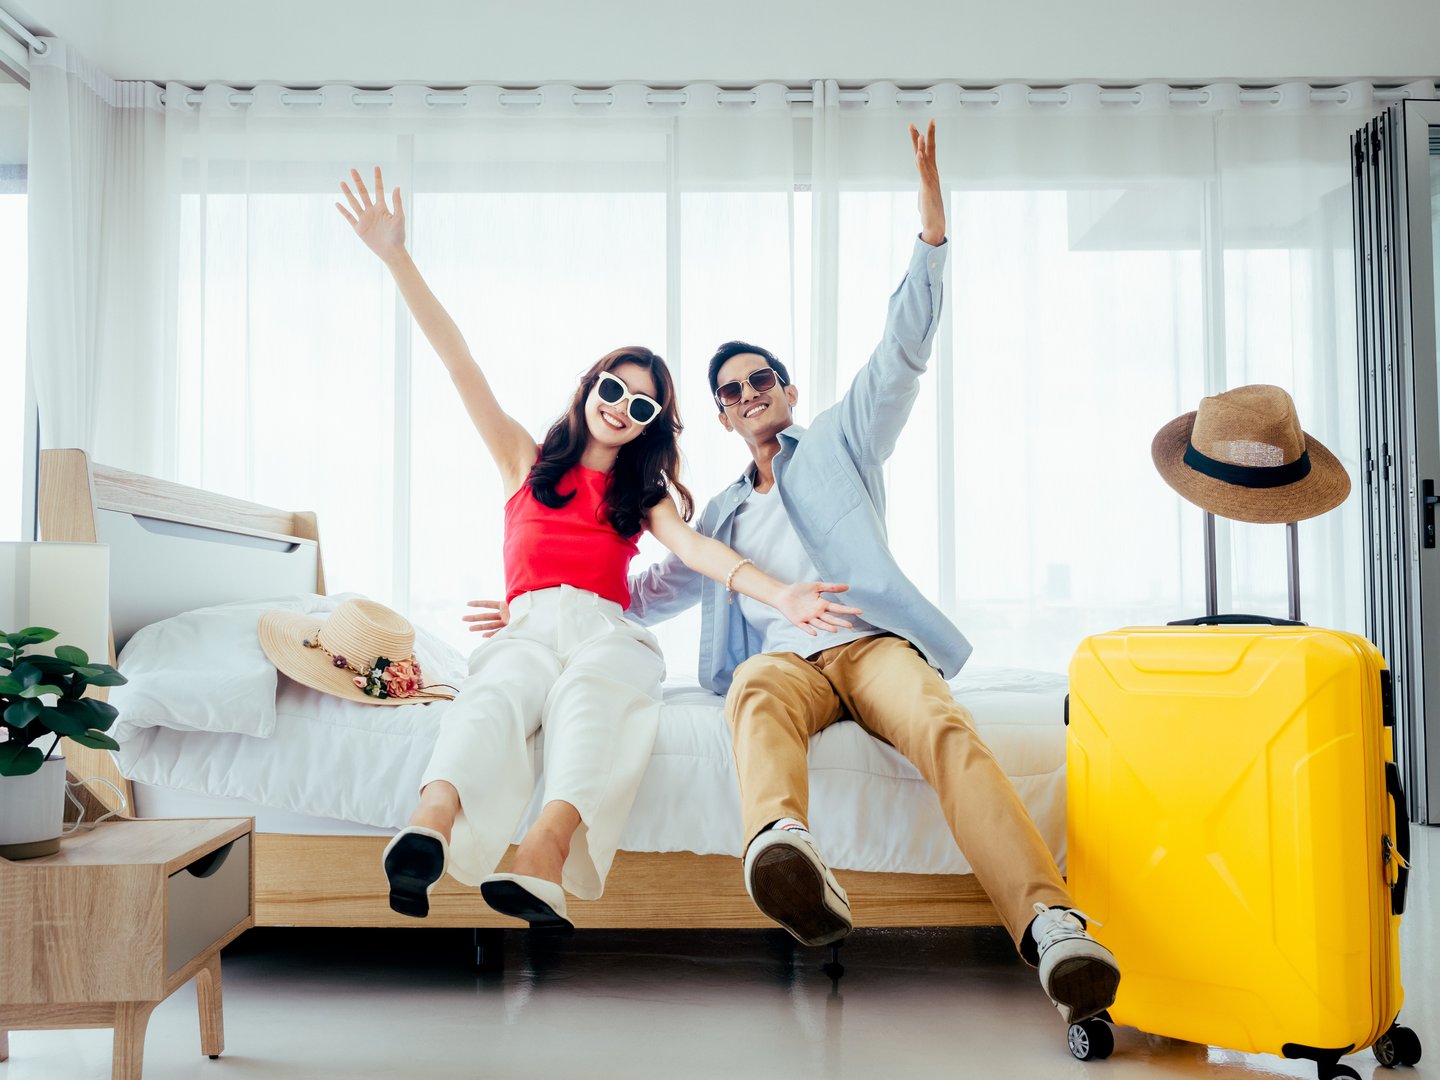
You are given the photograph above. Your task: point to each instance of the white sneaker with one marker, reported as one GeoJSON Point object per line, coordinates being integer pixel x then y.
{"type": "Point", "coordinates": [790, 883]}
{"type": "Point", "coordinates": [1078, 973]}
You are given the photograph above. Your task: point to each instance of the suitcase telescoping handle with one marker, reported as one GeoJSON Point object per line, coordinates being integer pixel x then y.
{"type": "Point", "coordinates": [1212, 584]}
{"type": "Point", "coordinates": [1234, 620]}
{"type": "Point", "coordinates": [1402, 838]}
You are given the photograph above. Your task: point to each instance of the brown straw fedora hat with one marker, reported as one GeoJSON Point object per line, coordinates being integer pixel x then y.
{"type": "Point", "coordinates": [1242, 455]}
{"type": "Point", "coordinates": [362, 651]}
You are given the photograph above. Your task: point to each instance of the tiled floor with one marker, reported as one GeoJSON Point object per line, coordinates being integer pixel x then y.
{"type": "Point", "coordinates": [912, 1004]}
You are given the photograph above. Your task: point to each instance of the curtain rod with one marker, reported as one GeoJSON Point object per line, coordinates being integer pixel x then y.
{"type": "Point", "coordinates": [793, 97]}
{"type": "Point", "coordinates": [11, 25]}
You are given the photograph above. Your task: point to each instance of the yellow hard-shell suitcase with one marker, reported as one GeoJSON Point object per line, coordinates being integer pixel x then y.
{"type": "Point", "coordinates": [1238, 836]}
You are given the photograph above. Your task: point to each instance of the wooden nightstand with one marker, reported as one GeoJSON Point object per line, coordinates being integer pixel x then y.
{"type": "Point", "coordinates": [101, 933]}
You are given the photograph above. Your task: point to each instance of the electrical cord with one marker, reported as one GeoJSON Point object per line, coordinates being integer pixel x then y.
{"type": "Point", "coordinates": [80, 821]}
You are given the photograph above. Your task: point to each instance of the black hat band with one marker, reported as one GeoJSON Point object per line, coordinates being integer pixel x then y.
{"type": "Point", "coordinates": [1249, 476]}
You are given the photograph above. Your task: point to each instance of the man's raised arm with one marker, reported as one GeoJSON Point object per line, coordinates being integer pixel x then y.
{"type": "Point", "coordinates": [874, 410]}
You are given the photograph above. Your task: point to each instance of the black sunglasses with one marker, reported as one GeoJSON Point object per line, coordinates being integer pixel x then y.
{"type": "Point", "coordinates": [761, 380]}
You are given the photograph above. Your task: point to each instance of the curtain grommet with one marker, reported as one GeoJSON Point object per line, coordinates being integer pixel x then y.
{"type": "Point", "coordinates": [502, 95]}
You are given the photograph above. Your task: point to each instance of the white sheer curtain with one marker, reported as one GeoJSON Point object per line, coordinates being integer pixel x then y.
{"type": "Point", "coordinates": [555, 227]}
{"type": "Point", "coordinates": [14, 128]}
{"type": "Point", "coordinates": [97, 312]}
{"type": "Point", "coordinates": [1115, 256]}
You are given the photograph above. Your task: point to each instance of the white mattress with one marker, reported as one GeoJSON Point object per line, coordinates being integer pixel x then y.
{"type": "Point", "coordinates": [870, 810]}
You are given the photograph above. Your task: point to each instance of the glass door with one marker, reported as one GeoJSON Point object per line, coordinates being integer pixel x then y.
{"type": "Point", "coordinates": [1397, 244]}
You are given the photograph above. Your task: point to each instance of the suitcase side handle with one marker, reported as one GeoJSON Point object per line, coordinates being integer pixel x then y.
{"type": "Point", "coordinates": [1402, 838]}
{"type": "Point", "coordinates": [1234, 620]}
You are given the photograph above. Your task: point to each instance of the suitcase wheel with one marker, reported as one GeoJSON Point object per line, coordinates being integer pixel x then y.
{"type": "Point", "coordinates": [1398, 1046]}
{"type": "Point", "coordinates": [1091, 1040]}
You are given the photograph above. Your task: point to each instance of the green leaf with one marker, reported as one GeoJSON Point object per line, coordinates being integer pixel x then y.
{"type": "Point", "coordinates": [101, 714]}
{"type": "Point", "coordinates": [51, 665]}
{"type": "Point", "coordinates": [41, 688]}
{"type": "Point", "coordinates": [9, 685]}
{"type": "Point", "coordinates": [23, 711]}
{"type": "Point", "coordinates": [108, 677]}
{"type": "Point", "coordinates": [31, 635]}
{"type": "Point", "coordinates": [19, 760]}
{"type": "Point", "coordinates": [62, 722]}
{"type": "Point", "coordinates": [71, 655]}
{"type": "Point", "coordinates": [96, 740]}
{"type": "Point", "coordinates": [27, 674]}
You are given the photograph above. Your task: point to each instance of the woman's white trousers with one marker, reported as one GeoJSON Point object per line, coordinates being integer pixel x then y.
{"type": "Point", "coordinates": [571, 663]}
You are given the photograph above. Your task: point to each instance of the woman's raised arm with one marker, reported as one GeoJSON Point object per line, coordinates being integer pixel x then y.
{"type": "Point", "coordinates": [383, 232]}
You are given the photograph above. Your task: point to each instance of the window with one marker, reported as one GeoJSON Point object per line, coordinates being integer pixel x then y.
{"type": "Point", "coordinates": [1099, 282]}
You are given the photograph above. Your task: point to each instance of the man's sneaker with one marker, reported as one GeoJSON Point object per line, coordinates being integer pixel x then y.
{"type": "Point", "coordinates": [789, 882]}
{"type": "Point", "coordinates": [1078, 973]}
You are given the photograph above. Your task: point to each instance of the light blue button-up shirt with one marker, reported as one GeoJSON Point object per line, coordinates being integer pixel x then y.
{"type": "Point", "coordinates": [830, 478]}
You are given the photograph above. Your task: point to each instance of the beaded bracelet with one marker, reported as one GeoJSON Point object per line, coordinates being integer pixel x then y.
{"type": "Point", "coordinates": [730, 592]}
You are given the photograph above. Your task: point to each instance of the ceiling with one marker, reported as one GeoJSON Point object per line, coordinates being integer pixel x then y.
{"type": "Point", "coordinates": [527, 42]}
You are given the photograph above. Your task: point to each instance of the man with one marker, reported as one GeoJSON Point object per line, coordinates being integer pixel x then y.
{"type": "Point", "coordinates": [811, 506]}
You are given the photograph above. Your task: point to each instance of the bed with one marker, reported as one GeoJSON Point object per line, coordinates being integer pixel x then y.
{"type": "Point", "coordinates": [317, 857]}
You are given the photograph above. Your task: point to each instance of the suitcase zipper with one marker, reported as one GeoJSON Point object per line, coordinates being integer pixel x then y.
{"type": "Point", "coordinates": [1376, 687]}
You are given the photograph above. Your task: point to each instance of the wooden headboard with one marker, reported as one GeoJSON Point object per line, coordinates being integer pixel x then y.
{"type": "Point", "coordinates": [173, 548]}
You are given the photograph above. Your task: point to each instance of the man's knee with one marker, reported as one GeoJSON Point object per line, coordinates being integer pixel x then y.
{"type": "Point", "coordinates": [758, 690]}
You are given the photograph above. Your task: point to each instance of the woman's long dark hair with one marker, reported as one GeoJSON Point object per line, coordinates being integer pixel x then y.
{"type": "Point", "coordinates": [646, 469]}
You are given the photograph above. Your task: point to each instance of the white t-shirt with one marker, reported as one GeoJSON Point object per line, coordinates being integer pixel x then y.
{"type": "Point", "coordinates": [763, 534]}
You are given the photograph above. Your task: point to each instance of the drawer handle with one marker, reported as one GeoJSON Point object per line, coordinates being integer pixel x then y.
{"type": "Point", "coordinates": [211, 861]}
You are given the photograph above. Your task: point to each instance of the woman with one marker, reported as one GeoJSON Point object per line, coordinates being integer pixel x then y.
{"type": "Point", "coordinates": [575, 506]}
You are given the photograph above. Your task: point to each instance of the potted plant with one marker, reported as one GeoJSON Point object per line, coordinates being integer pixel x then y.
{"type": "Point", "coordinates": [43, 697]}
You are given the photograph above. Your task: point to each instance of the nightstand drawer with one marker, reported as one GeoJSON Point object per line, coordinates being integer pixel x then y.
{"type": "Point", "coordinates": [203, 908]}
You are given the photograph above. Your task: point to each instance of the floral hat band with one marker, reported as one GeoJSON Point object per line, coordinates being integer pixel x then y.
{"type": "Point", "coordinates": [362, 651]}
{"type": "Point", "coordinates": [385, 678]}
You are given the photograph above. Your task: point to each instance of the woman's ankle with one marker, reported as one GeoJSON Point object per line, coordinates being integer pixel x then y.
{"type": "Point", "coordinates": [542, 853]}
{"type": "Point", "coordinates": [435, 814]}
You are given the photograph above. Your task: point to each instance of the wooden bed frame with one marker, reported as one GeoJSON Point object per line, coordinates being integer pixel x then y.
{"type": "Point", "coordinates": [337, 881]}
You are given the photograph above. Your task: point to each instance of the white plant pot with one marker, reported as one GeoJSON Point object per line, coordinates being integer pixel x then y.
{"type": "Point", "coordinates": [32, 811]}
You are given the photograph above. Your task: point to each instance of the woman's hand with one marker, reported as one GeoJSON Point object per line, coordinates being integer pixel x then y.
{"type": "Point", "coordinates": [803, 605]}
{"type": "Point", "coordinates": [382, 229]}
{"type": "Point", "coordinates": [488, 623]}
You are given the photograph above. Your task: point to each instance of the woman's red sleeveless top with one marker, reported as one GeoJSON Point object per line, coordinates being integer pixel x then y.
{"type": "Point", "coordinates": [573, 545]}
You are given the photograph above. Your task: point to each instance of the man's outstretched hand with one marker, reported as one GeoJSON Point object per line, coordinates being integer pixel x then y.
{"type": "Point", "coordinates": [932, 208]}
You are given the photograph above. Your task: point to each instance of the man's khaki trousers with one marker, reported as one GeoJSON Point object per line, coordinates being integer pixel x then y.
{"type": "Point", "coordinates": [778, 700]}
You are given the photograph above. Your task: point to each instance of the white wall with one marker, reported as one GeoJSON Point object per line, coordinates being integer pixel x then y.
{"type": "Point", "coordinates": [742, 41]}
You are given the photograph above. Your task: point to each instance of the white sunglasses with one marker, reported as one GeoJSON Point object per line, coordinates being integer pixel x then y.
{"type": "Point", "coordinates": [638, 407]}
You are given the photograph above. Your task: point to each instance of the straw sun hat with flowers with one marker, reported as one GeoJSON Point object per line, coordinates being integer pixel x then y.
{"type": "Point", "coordinates": [362, 651]}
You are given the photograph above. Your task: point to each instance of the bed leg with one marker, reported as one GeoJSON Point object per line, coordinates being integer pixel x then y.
{"type": "Point", "coordinates": [489, 950]}
{"type": "Point", "coordinates": [832, 967]}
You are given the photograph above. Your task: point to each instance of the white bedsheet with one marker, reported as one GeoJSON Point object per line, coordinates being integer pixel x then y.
{"type": "Point", "coordinates": [870, 810]}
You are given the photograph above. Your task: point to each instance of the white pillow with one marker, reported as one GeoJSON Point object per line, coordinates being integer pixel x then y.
{"type": "Point", "coordinates": [204, 670]}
